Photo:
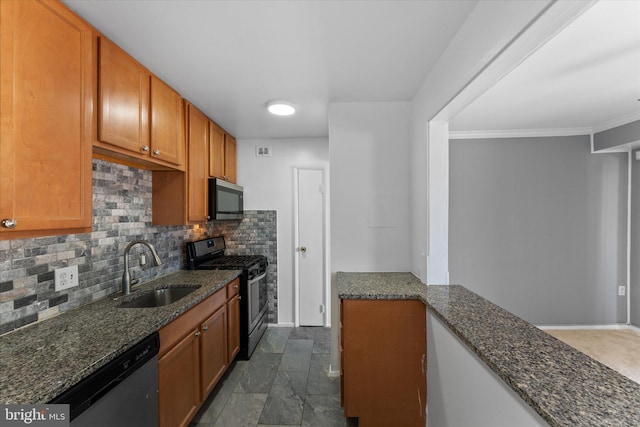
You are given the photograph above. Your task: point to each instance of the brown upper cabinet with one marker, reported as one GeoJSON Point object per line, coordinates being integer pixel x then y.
{"type": "Point", "coordinates": [140, 118]}
{"type": "Point", "coordinates": [197, 135]}
{"type": "Point", "coordinates": [46, 98]}
{"type": "Point", "coordinates": [181, 198]}
{"type": "Point", "coordinates": [222, 154]}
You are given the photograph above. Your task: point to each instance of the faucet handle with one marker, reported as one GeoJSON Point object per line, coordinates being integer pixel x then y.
{"type": "Point", "coordinates": [135, 281]}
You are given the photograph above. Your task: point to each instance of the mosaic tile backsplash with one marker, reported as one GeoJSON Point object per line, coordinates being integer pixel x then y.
{"type": "Point", "coordinates": [255, 234]}
{"type": "Point", "coordinates": [121, 214]}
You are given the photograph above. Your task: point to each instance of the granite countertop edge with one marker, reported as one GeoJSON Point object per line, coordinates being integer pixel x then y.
{"type": "Point", "coordinates": [564, 386]}
{"type": "Point", "coordinates": [42, 360]}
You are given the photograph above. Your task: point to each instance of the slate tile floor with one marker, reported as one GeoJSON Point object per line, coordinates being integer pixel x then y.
{"type": "Point", "coordinates": [284, 383]}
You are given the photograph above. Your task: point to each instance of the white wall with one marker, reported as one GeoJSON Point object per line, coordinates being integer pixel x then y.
{"type": "Point", "coordinates": [370, 192]}
{"type": "Point", "coordinates": [463, 391]}
{"type": "Point", "coordinates": [369, 152]}
{"type": "Point", "coordinates": [268, 184]}
{"type": "Point", "coordinates": [489, 29]}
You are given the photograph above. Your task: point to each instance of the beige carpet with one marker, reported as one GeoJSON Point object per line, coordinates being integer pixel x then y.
{"type": "Point", "coordinates": [619, 349]}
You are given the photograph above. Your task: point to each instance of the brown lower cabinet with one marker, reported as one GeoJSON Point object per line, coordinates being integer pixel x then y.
{"type": "Point", "coordinates": [194, 354]}
{"type": "Point", "coordinates": [383, 347]}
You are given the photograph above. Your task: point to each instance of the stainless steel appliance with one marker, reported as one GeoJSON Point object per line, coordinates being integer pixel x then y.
{"type": "Point", "coordinates": [208, 254]}
{"type": "Point", "coordinates": [225, 200]}
{"type": "Point", "coordinates": [124, 392]}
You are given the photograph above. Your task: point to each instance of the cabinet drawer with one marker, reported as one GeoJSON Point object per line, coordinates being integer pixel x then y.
{"type": "Point", "coordinates": [233, 288]}
{"type": "Point", "coordinates": [174, 331]}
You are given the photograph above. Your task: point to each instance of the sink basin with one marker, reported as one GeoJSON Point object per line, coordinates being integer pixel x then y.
{"type": "Point", "coordinates": [159, 297]}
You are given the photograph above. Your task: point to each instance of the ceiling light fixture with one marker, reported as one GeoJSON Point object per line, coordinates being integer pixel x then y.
{"type": "Point", "coordinates": [281, 108]}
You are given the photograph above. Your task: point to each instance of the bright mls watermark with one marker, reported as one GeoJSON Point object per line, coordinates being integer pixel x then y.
{"type": "Point", "coordinates": [34, 415]}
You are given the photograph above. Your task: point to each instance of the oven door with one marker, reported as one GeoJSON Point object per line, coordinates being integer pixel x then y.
{"type": "Point", "coordinates": [257, 288]}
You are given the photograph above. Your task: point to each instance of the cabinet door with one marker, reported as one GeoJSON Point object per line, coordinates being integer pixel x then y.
{"type": "Point", "coordinates": [123, 90]}
{"type": "Point", "coordinates": [213, 350]}
{"type": "Point", "coordinates": [230, 158]}
{"type": "Point", "coordinates": [216, 151]}
{"type": "Point", "coordinates": [167, 131]}
{"type": "Point", "coordinates": [384, 374]}
{"type": "Point", "coordinates": [197, 166]}
{"type": "Point", "coordinates": [178, 382]}
{"type": "Point", "coordinates": [233, 314]}
{"type": "Point", "coordinates": [46, 100]}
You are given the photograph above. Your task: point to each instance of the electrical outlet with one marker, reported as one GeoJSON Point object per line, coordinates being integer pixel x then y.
{"type": "Point", "coordinates": [66, 277]}
{"type": "Point", "coordinates": [263, 151]}
{"type": "Point", "coordinates": [622, 291]}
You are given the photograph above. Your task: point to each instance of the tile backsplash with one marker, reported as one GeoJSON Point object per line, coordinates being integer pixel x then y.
{"type": "Point", "coordinates": [256, 234]}
{"type": "Point", "coordinates": [121, 214]}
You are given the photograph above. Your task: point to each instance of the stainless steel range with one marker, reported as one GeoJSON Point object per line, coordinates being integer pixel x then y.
{"type": "Point", "coordinates": [208, 254]}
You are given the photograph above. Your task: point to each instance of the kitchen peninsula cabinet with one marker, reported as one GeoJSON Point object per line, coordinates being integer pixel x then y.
{"type": "Point", "coordinates": [222, 154]}
{"type": "Point", "coordinates": [194, 354]}
{"type": "Point", "coordinates": [46, 98]}
{"type": "Point", "coordinates": [150, 134]}
{"type": "Point", "coordinates": [383, 361]}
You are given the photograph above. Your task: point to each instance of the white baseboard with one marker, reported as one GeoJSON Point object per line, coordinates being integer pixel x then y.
{"type": "Point", "coordinates": [280, 325]}
{"type": "Point", "coordinates": [589, 327]}
{"type": "Point", "coordinates": [332, 373]}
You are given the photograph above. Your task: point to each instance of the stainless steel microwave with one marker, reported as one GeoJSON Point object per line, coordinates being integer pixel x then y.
{"type": "Point", "coordinates": [225, 200]}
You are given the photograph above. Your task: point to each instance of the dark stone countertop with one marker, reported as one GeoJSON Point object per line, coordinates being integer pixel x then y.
{"type": "Point", "coordinates": [563, 385]}
{"type": "Point", "coordinates": [42, 360]}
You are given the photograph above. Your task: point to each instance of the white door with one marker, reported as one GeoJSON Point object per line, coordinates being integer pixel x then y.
{"type": "Point", "coordinates": [310, 247]}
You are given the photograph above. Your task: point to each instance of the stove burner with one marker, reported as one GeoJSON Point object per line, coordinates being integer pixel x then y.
{"type": "Point", "coordinates": [230, 262]}
{"type": "Point", "coordinates": [209, 254]}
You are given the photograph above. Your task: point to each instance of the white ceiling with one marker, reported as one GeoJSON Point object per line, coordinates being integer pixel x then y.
{"type": "Point", "coordinates": [586, 78]}
{"type": "Point", "coordinates": [231, 57]}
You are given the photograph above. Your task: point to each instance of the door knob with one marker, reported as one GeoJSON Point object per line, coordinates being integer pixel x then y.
{"type": "Point", "coordinates": [303, 249]}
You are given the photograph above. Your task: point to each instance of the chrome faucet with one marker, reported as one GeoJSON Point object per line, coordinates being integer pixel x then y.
{"type": "Point", "coordinates": [126, 278]}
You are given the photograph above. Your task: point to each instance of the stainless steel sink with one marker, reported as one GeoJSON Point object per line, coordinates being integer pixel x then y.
{"type": "Point", "coordinates": [160, 297]}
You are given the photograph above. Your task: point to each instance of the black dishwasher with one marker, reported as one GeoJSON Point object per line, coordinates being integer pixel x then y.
{"type": "Point", "coordinates": [122, 393]}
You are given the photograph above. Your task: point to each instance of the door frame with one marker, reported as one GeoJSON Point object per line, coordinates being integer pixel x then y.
{"type": "Point", "coordinates": [325, 242]}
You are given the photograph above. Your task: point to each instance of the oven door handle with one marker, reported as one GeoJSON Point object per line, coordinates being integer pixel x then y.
{"type": "Point", "coordinates": [260, 277]}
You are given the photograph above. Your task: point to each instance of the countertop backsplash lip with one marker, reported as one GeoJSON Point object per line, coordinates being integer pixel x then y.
{"type": "Point", "coordinates": [538, 367]}
{"type": "Point", "coordinates": [40, 361]}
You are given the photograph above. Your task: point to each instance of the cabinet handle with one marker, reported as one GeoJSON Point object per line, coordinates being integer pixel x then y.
{"type": "Point", "coordinates": [9, 223]}
{"type": "Point", "coordinates": [235, 286]}
{"type": "Point", "coordinates": [208, 217]}
{"type": "Point", "coordinates": [156, 152]}
{"type": "Point", "coordinates": [198, 333]}
{"type": "Point", "coordinates": [205, 328]}
{"type": "Point", "coordinates": [145, 148]}
{"type": "Point", "coordinates": [239, 297]}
